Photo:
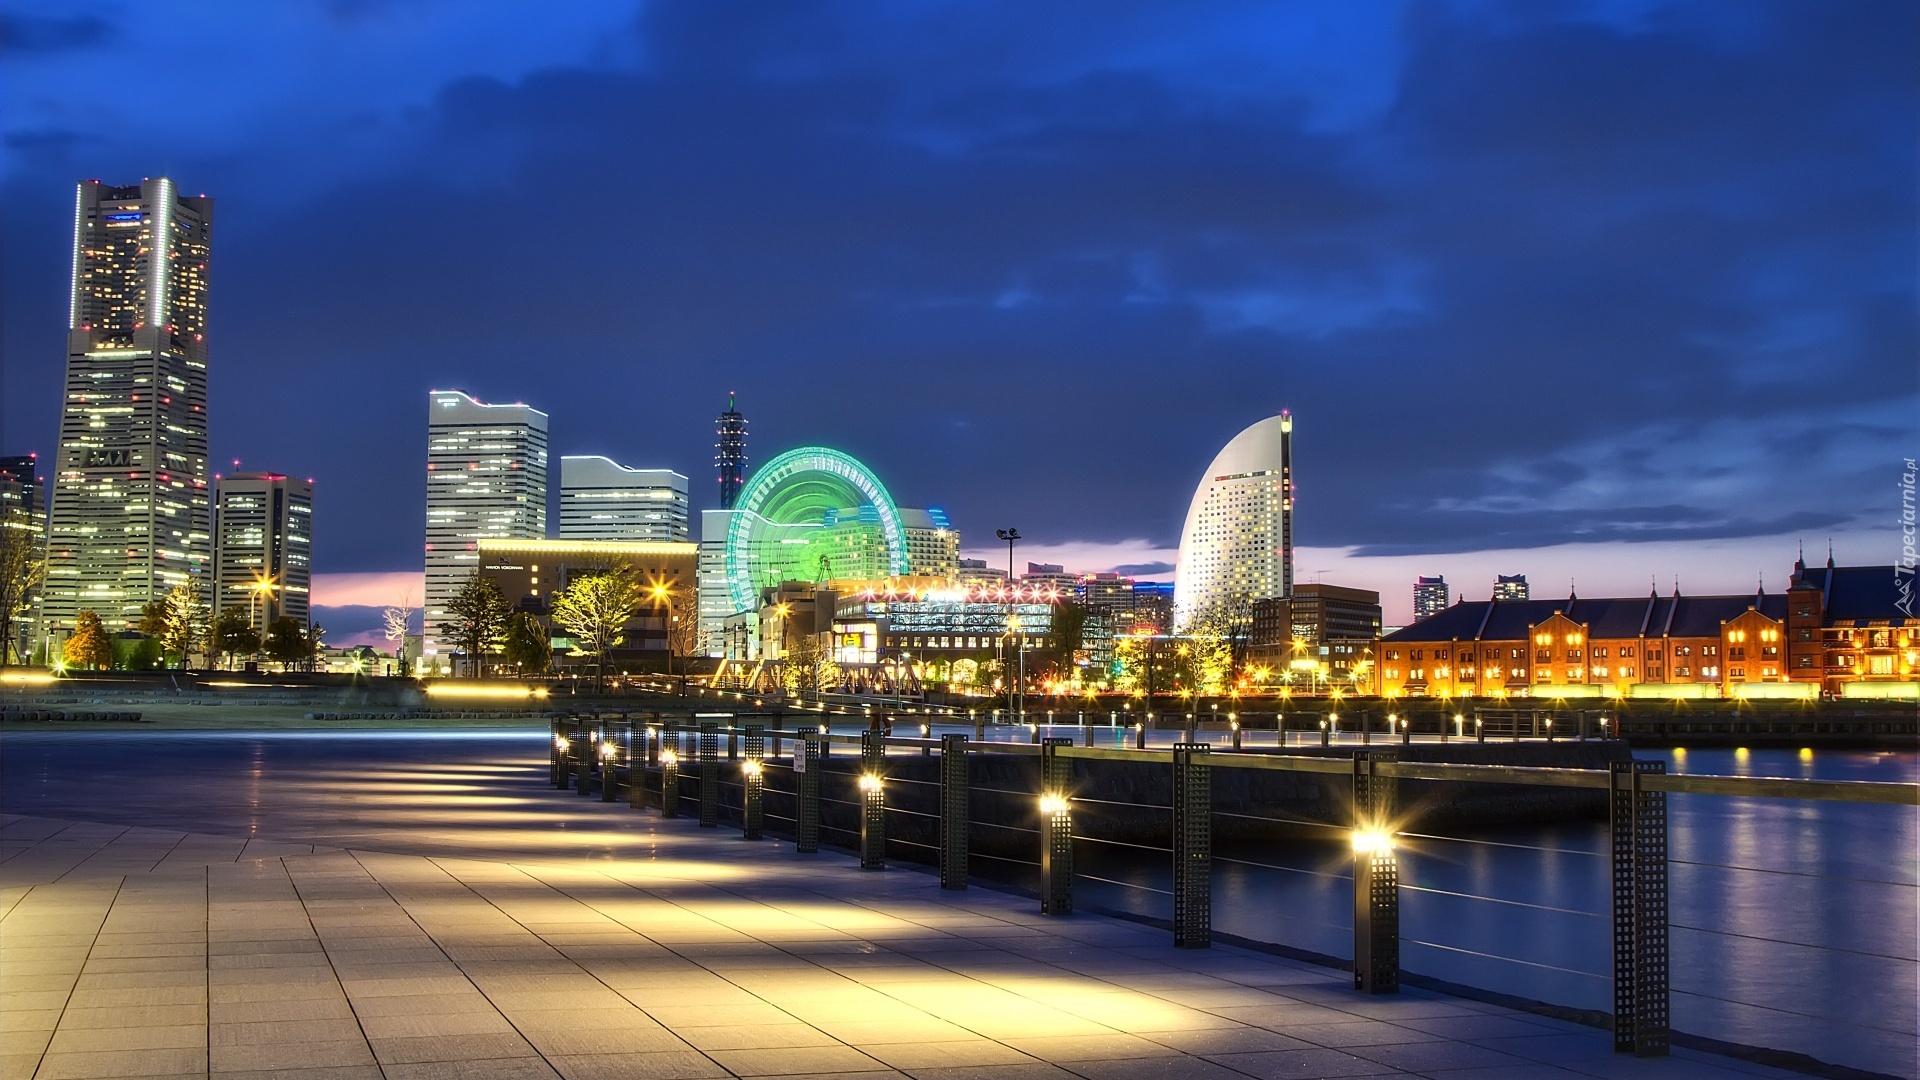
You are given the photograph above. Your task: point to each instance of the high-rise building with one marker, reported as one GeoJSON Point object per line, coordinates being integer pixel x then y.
{"type": "Point", "coordinates": [601, 499]}
{"type": "Point", "coordinates": [1237, 544]}
{"type": "Point", "coordinates": [977, 572]}
{"type": "Point", "coordinates": [1512, 587]}
{"type": "Point", "coordinates": [716, 601]}
{"type": "Point", "coordinates": [732, 455]}
{"type": "Point", "coordinates": [933, 545]}
{"type": "Point", "coordinates": [130, 513]}
{"type": "Point", "coordinates": [486, 479]}
{"type": "Point", "coordinates": [263, 546]}
{"type": "Point", "coordinates": [23, 513]}
{"type": "Point", "coordinates": [1429, 597]}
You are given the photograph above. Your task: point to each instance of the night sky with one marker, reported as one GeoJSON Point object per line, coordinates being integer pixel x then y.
{"type": "Point", "coordinates": [1586, 290]}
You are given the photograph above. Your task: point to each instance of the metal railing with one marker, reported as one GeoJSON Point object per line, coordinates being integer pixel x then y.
{"type": "Point", "coordinates": [609, 754]}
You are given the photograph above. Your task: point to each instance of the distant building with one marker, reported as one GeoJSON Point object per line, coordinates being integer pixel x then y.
{"type": "Point", "coordinates": [263, 546]}
{"type": "Point", "coordinates": [486, 479]}
{"type": "Point", "coordinates": [1837, 630]}
{"type": "Point", "coordinates": [131, 517]}
{"type": "Point", "coordinates": [730, 457]}
{"type": "Point", "coordinates": [977, 572]}
{"type": "Point", "coordinates": [933, 545]}
{"type": "Point", "coordinates": [1237, 544]}
{"type": "Point", "coordinates": [716, 601]}
{"type": "Point", "coordinates": [1430, 596]}
{"type": "Point", "coordinates": [1322, 635]}
{"type": "Point", "coordinates": [529, 572]}
{"type": "Point", "coordinates": [1510, 587]}
{"type": "Point", "coordinates": [1051, 576]}
{"type": "Point", "coordinates": [1153, 608]}
{"type": "Point", "coordinates": [601, 499]}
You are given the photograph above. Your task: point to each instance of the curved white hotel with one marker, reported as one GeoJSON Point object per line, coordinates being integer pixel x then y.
{"type": "Point", "coordinates": [1238, 540]}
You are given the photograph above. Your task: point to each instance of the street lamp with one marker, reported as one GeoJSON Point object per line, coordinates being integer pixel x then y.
{"type": "Point", "coordinates": [662, 595]}
{"type": "Point", "coordinates": [1013, 624]}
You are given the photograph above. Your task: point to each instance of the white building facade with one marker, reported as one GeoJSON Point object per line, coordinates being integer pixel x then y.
{"type": "Point", "coordinates": [486, 479]}
{"type": "Point", "coordinates": [1237, 544]}
{"type": "Point", "coordinates": [601, 499]}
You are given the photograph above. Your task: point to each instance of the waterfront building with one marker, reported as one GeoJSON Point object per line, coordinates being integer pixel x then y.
{"type": "Point", "coordinates": [1510, 587]}
{"type": "Point", "coordinates": [1430, 595]}
{"type": "Point", "coordinates": [1321, 636]}
{"type": "Point", "coordinates": [530, 571]}
{"type": "Point", "coordinates": [1837, 630]}
{"type": "Point", "coordinates": [1108, 598]}
{"type": "Point", "coordinates": [716, 603]}
{"type": "Point", "coordinates": [1153, 607]}
{"type": "Point", "coordinates": [131, 517]}
{"type": "Point", "coordinates": [486, 479]}
{"type": "Point", "coordinates": [730, 456]}
{"type": "Point", "coordinates": [1237, 544]}
{"type": "Point", "coordinates": [601, 499]}
{"type": "Point", "coordinates": [263, 546]}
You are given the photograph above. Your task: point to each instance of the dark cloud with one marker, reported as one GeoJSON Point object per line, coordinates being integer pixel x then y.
{"type": "Point", "coordinates": [1040, 279]}
{"type": "Point", "coordinates": [50, 34]}
{"type": "Point", "coordinates": [1148, 569]}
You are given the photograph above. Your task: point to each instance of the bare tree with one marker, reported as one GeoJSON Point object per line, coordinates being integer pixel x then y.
{"type": "Point", "coordinates": [396, 620]}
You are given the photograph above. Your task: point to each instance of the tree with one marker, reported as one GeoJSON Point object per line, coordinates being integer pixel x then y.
{"type": "Point", "coordinates": [396, 620]}
{"type": "Point", "coordinates": [23, 564]}
{"type": "Point", "coordinates": [153, 618]}
{"type": "Point", "coordinates": [1066, 636]}
{"type": "Point", "coordinates": [683, 621]}
{"type": "Point", "coordinates": [479, 613]}
{"type": "Point", "coordinates": [287, 642]}
{"type": "Point", "coordinates": [595, 609]}
{"type": "Point", "coordinates": [183, 622]}
{"type": "Point", "coordinates": [526, 645]}
{"type": "Point", "coordinates": [806, 666]}
{"type": "Point", "coordinates": [89, 647]}
{"type": "Point", "coordinates": [232, 633]}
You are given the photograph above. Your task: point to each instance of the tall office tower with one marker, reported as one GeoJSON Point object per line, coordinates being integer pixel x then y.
{"type": "Point", "coordinates": [732, 457]}
{"type": "Point", "coordinates": [716, 600]}
{"type": "Point", "coordinates": [130, 513]}
{"type": "Point", "coordinates": [23, 516]}
{"type": "Point", "coordinates": [486, 477]}
{"type": "Point", "coordinates": [1429, 596]}
{"type": "Point", "coordinates": [263, 546]}
{"type": "Point", "coordinates": [601, 499]}
{"type": "Point", "coordinates": [1237, 545]}
{"type": "Point", "coordinates": [1512, 587]}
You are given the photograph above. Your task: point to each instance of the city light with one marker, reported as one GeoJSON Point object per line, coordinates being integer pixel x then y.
{"type": "Point", "coordinates": [457, 689]}
{"type": "Point", "coordinates": [1372, 840]}
{"type": "Point", "coordinates": [25, 678]}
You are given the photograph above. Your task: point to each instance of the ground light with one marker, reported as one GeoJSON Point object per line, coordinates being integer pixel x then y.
{"type": "Point", "coordinates": [470, 690]}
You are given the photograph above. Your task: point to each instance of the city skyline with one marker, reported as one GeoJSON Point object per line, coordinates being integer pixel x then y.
{"type": "Point", "coordinates": [1369, 262]}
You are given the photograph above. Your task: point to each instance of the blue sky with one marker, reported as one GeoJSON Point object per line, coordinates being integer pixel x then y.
{"type": "Point", "coordinates": [1621, 288]}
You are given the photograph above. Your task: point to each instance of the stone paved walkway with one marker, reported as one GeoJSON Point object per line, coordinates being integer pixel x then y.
{"type": "Point", "coordinates": [687, 952]}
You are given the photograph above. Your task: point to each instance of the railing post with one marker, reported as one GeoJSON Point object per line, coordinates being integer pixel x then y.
{"type": "Point", "coordinates": [1366, 728]}
{"type": "Point", "coordinates": [1326, 732]}
{"type": "Point", "coordinates": [806, 793]}
{"type": "Point", "coordinates": [752, 782]}
{"type": "Point", "coordinates": [1236, 732]}
{"type": "Point", "coordinates": [1638, 822]}
{"type": "Point", "coordinates": [1192, 848]}
{"type": "Point", "coordinates": [1479, 727]}
{"type": "Point", "coordinates": [1056, 829]}
{"type": "Point", "coordinates": [1376, 879]}
{"type": "Point", "coordinates": [873, 801]}
{"type": "Point", "coordinates": [1140, 735]}
{"type": "Point", "coordinates": [584, 739]}
{"type": "Point", "coordinates": [709, 774]}
{"type": "Point", "coordinates": [669, 781]}
{"type": "Point", "coordinates": [609, 762]}
{"type": "Point", "coordinates": [953, 811]}
{"type": "Point", "coordinates": [637, 761]}
{"type": "Point", "coordinates": [1406, 729]}
{"type": "Point", "coordinates": [556, 775]}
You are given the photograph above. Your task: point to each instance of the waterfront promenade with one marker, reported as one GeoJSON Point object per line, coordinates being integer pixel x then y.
{"type": "Point", "coordinates": [400, 919]}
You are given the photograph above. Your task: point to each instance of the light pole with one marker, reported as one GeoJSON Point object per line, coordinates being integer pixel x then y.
{"type": "Point", "coordinates": [1013, 623]}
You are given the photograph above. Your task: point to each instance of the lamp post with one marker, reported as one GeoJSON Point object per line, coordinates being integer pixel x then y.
{"type": "Point", "coordinates": [1013, 624]}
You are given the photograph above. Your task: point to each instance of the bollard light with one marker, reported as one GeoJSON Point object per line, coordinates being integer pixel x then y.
{"type": "Point", "coordinates": [1053, 804]}
{"type": "Point", "coordinates": [563, 743]}
{"type": "Point", "coordinates": [869, 782]}
{"type": "Point", "coordinates": [1368, 841]}
{"type": "Point", "coordinates": [750, 768]}
{"type": "Point", "coordinates": [669, 757]}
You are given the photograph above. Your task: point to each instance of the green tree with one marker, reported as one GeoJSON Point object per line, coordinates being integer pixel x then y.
{"type": "Point", "coordinates": [232, 634]}
{"type": "Point", "coordinates": [526, 645]}
{"type": "Point", "coordinates": [595, 609]}
{"type": "Point", "coordinates": [23, 564]}
{"type": "Point", "coordinates": [479, 616]}
{"type": "Point", "coordinates": [153, 618]}
{"type": "Point", "coordinates": [287, 642]}
{"type": "Point", "coordinates": [89, 647]}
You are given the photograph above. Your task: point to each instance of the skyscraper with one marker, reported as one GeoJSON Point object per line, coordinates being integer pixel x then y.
{"type": "Point", "coordinates": [486, 477]}
{"type": "Point", "coordinates": [601, 499]}
{"type": "Point", "coordinates": [130, 499]}
{"type": "Point", "coordinates": [1429, 596]}
{"type": "Point", "coordinates": [1237, 544]}
{"type": "Point", "coordinates": [732, 458]}
{"type": "Point", "coordinates": [263, 545]}
{"type": "Point", "coordinates": [1510, 587]}
{"type": "Point", "coordinates": [23, 516]}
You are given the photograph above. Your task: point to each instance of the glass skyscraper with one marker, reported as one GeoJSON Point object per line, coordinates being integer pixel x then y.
{"type": "Point", "coordinates": [1237, 545]}
{"type": "Point", "coordinates": [130, 514]}
{"type": "Point", "coordinates": [486, 478]}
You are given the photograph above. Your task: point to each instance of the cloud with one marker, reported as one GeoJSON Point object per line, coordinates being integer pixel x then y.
{"type": "Point", "coordinates": [369, 590]}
